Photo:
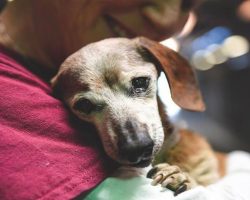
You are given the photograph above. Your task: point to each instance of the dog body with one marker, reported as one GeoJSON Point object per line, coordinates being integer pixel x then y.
{"type": "Point", "coordinates": [113, 84]}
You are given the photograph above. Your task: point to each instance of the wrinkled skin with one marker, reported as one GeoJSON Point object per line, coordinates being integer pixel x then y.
{"type": "Point", "coordinates": [49, 31]}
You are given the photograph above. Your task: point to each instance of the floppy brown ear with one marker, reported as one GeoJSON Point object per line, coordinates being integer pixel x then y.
{"type": "Point", "coordinates": [184, 89]}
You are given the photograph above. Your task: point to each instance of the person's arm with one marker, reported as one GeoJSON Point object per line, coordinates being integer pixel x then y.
{"type": "Point", "coordinates": [44, 152]}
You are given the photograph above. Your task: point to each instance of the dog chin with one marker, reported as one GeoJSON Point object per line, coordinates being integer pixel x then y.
{"type": "Point", "coordinates": [142, 164]}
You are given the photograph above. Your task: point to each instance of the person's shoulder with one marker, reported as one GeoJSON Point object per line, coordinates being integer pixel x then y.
{"type": "Point", "coordinates": [14, 71]}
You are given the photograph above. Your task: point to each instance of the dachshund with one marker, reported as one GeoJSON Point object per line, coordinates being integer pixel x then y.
{"type": "Point", "coordinates": [113, 84]}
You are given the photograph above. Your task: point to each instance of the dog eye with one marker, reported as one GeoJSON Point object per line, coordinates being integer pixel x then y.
{"type": "Point", "coordinates": [85, 106]}
{"type": "Point", "coordinates": [140, 84]}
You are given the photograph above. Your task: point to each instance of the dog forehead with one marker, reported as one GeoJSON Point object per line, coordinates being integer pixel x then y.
{"type": "Point", "coordinates": [112, 53]}
{"type": "Point", "coordinates": [106, 62]}
{"type": "Point", "coordinates": [108, 56]}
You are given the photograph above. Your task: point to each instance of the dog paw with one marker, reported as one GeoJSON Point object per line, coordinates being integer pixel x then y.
{"type": "Point", "coordinates": [171, 177]}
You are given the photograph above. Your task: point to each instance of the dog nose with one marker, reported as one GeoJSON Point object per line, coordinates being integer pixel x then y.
{"type": "Point", "coordinates": [136, 151]}
{"type": "Point", "coordinates": [134, 142]}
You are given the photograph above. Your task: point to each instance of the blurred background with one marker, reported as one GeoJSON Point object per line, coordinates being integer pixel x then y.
{"type": "Point", "coordinates": [216, 42]}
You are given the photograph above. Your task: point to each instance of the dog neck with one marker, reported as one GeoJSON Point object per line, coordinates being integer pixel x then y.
{"type": "Point", "coordinates": [171, 140]}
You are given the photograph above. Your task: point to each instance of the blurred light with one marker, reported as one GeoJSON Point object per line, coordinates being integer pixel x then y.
{"type": "Point", "coordinates": [200, 61]}
{"type": "Point", "coordinates": [171, 43]}
{"type": "Point", "coordinates": [216, 47]}
{"type": "Point", "coordinates": [164, 94]}
{"type": "Point", "coordinates": [210, 57]}
{"type": "Point", "coordinates": [215, 36]}
{"type": "Point", "coordinates": [191, 22]}
{"type": "Point", "coordinates": [244, 10]}
{"type": "Point", "coordinates": [218, 55]}
{"type": "Point", "coordinates": [235, 46]}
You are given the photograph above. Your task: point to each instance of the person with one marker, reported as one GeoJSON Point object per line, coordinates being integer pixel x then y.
{"type": "Point", "coordinates": [46, 153]}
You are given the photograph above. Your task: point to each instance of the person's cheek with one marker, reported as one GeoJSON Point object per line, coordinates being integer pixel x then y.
{"type": "Point", "coordinates": [139, 25]}
{"type": "Point", "coordinates": [163, 14]}
{"type": "Point", "coordinates": [124, 5]}
{"type": "Point", "coordinates": [98, 31]}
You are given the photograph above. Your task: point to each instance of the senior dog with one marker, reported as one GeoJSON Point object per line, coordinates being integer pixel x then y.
{"type": "Point", "coordinates": [113, 84]}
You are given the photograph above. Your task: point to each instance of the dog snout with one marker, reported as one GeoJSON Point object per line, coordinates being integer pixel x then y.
{"type": "Point", "coordinates": [136, 152]}
{"type": "Point", "coordinates": [135, 144]}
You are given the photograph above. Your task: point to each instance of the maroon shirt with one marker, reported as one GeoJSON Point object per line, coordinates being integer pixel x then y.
{"type": "Point", "coordinates": [45, 153]}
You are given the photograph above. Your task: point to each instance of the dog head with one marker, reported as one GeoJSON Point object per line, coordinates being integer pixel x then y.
{"type": "Point", "coordinates": [113, 84]}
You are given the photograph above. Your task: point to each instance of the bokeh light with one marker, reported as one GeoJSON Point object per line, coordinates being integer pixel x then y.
{"type": "Point", "coordinates": [235, 46]}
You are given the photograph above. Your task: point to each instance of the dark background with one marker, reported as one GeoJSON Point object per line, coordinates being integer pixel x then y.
{"type": "Point", "coordinates": [225, 87]}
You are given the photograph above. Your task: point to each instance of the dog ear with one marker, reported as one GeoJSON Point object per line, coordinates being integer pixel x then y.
{"type": "Point", "coordinates": [56, 86]}
{"type": "Point", "coordinates": [67, 82]}
{"type": "Point", "coordinates": [60, 83]}
{"type": "Point", "coordinates": [182, 82]}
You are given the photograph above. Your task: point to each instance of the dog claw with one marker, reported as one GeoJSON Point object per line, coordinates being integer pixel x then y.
{"type": "Point", "coordinates": [152, 172]}
{"type": "Point", "coordinates": [181, 189]}
{"type": "Point", "coordinates": [157, 180]}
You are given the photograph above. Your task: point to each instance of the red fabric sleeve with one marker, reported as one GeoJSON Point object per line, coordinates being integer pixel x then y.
{"type": "Point", "coordinates": [45, 153]}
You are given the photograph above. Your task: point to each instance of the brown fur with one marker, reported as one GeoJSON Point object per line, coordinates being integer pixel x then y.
{"type": "Point", "coordinates": [190, 153]}
{"type": "Point", "coordinates": [222, 160]}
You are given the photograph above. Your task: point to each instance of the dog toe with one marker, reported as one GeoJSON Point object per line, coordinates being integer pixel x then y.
{"type": "Point", "coordinates": [171, 177]}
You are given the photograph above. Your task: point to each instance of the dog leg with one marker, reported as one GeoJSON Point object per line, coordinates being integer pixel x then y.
{"type": "Point", "coordinates": [197, 164]}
